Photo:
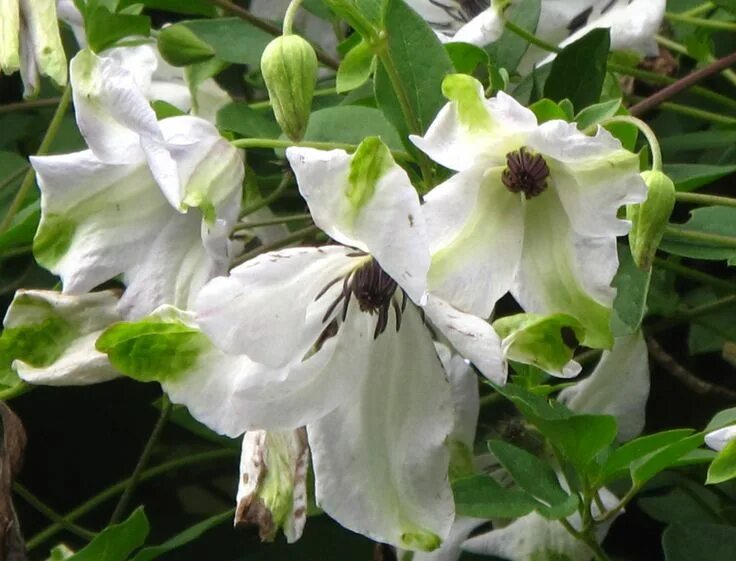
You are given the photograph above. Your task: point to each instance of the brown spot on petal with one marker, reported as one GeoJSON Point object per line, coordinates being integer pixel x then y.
{"type": "Point", "coordinates": [253, 511]}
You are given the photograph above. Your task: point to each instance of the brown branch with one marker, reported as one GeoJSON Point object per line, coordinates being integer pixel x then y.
{"type": "Point", "coordinates": [682, 84]}
{"type": "Point", "coordinates": [687, 378]}
{"type": "Point", "coordinates": [255, 21]}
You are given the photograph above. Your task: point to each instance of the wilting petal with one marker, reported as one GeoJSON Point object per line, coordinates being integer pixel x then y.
{"type": "Point", "coordinates": [719, 439]}
{"type": "Point", "coordinates": [277, 293]}
{"type": "Point", "coordinates": [366, 200]}
{"type": "Point", "coordinates": [472, 337]}
{"type": "Point", "coordinates": [40, 21]}
{"type": "Point", "coordinates": [533, 537]}
{"type": "Point", "coordinates": [472, 130]}
{"type": "Point", "coordinates": [593, 176]}
{"type": "Point", "coordinates": [380, 460]}
{"type": "Point", "coordinates": [9, 36]}
{"type": "Point", "coordinates": [562, 272]}
{"type": "Point", "coordinates": [50, 337]}
{"type": "Point", "coordinates": [272, 492]}
{"type": "Point", "coordinates": [487, 27]}
{"type": "Point", "coordinates": [618, 386]}
{"type": "Point", "coordinates": [476, 228]}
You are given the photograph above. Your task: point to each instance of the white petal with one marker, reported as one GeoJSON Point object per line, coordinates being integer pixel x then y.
{"type": "Point", "coordinates": [232, 394]}
{"type": "Point", "coordinates": [380, 461]}
{"type": "Point", "coordinates": [70, 14]}
{"type": "Point", "coordinates": [465, 395]}
{"type": "Point", "coordinates": [471, 336]}
{"type": "Point", "coordinates": [276, 292]}
{"type": "Point", "coordinates": [476, 228]}
{"type": "Point", "coordinates": [593, 176]}
{"type": "Point", "coordinates": [10, 36]}
{"type": "Point", "coordinates": [273, 482]}
{"type": "Point", "coordinates": [476, 131]}
{"type": "Point", "coordinates": [718, 439]}
{"type": "Point", "coordinates": [487, 27]}
{"type": "Point", "coordinates": [83, 319]}
{"type": "Point", "coordinates": [43, 29]}
{"type": "Point", "coordinates": [618, 386]}
{"type": "Point", "coordinates": [387, 221]}
{"type": "Point", "coordinates": [446, 16]}
{"type": "Point", "coordinates": [563, 272]}
{"type": "Point", "coordinates": [450, 549]}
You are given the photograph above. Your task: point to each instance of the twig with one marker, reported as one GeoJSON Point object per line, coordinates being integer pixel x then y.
{"type": "Point", "coordinates": [688, 379]}
{"type": "Point", "coordinates": [50, 513]}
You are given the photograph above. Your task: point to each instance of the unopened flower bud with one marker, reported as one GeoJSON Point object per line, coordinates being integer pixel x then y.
{"type": "Point", "coordinates": [289, 67]}
{"type": "Point", "coordinates": [650, 218]}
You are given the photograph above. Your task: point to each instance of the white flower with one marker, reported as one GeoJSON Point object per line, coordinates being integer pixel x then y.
{"type": "Point", "coordinates": [619, 386]}
{"type": "Point", "coordinates": [49, 338]}
{"type": "Point", "coordinates": [633, 23]}
{"type": "Point", "coordinates": [30, 42]}
{"type": "Point", "coordinates": [151, 201]}
{"type": "Point", "coordinates": [331, 338]}
{"type": "Point", "coordinates": [532, 210]}
{"type": "Point", "coordinates": [718, 439]}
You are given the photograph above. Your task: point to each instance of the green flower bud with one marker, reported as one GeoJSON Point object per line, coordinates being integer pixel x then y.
{"type": "Point", "coordinates": [650, 218]}
{"type": "Point", "coordinates": [180, 46]}
{"type": "Point", "coordinates": [289, 67]}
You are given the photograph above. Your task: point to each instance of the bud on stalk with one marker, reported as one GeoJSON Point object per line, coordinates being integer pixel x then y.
{"type": "Point", "coordinates": [650, 218]}
{"type": "Point", "coordinates": [289, 67]}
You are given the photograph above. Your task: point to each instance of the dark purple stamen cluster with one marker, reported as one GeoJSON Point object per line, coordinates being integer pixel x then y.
{"type": "Point", "coordinates": [525, 173]}
{"type": "Point", "coordinates": [374, 291]}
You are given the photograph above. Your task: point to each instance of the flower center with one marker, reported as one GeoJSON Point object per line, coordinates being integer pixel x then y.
{"type": "Point", "coordinates": [525, 173]}
{"type": "Point", "coordinates": [374, 291]}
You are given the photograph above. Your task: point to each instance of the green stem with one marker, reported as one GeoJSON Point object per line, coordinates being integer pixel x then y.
{"type": "Point", "coordinates": [587, 539]}
{"type": "Point", "coordinates": [273, 221]}
{"type": "Point", "coordinates": [273, 143]}
{"type": "Point", "coordinates": [120, 486]}
{"type": "Point", "coordinates": [297, 236]}
{"type": "Point", "coordinates": [43, 149]}
{"type": "Point", "coordinates": [705, 200]}
{"type": "Point", "coordinates": [266, 103]}
{"type": "Point", "coordinates": [694, 274]}
{"type": "Point", "coordinates": [270, 199]}
{"type": "Point", "coordinates": [682, 49]}
{"type": "Point", "coordinates": [289, 16]}
{"type": "Point", "coordinates": [14, 391]}
{"type": "Point", "coordinates": [627, 498]}
{"type": "Point", "coordinates": [691, 314]}
{"type": "Point", "coordinates": [50, 513]}
{"type": "Point", "coordinates": [531, 38]}
{"type": "Point", "coordinates": [718, 240]}
{"type": "Point", "coordinates": [142, 461]}
{"type": "Point", "coordinates": [645, 129]}
{"type": "Point", "coordinates": [704, 8]}
{"type": "Point", "coordinates": [701, 22]}
{"type": "Point", "coordinates": [13, 177]}
{"type": "Point", "coordinates": [698, 113]}
{"type": "Point", "coordinates": [32, 104]}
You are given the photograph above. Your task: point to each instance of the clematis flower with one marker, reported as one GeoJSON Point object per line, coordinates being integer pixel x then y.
{"type": "Point", "coordinates": [633, 23]}
{"type": "Point", "coordinates": [332, 338]}
{"type": "Point", "coordinates": [532, 209]}
{"type": "Point", "coordinates": [151, 201]}
{"type": "Point", "coordinates": [30, 42]}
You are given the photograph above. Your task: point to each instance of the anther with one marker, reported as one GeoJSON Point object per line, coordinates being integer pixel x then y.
{"type": "Point", "coordinates": [525, 173]}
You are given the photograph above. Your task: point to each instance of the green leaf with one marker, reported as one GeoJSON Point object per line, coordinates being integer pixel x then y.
{"type": "Point", "coordinates": [547, 110]}
{"type": "Point", "coordinates": [116, 543]}
{"type": "Point", "coordinates": [365, 16]}
{"type": "Point", "coordinates": [722, 419]}
{"type": "Point", "coordinates": [723, 467]}
{"type": "Point", "coordinates": [711, 220]}
{"type": "Point", "coordinates": [644, 469]}
{"type": "Point", "coordinates": [536, 478]}
{"type": "Point", "coordinates": [508, 51]}
{"type": "Point", "coordinates": [481, 496]}
{"type": "Point", "coordinates": [580, 438]}
{"type": "Point", "coordinates": [697, 141]}
{"type": "Point", "coordinates": [238, 117]}
{"type": "Point", "coordinates": [151, 349]}
{"type": "Point", "coordinates": [187, 7]}
{"type": "Point", "coordinates": [420, 63]}
{"type": "Point", "coordinates": [105, 29]}
{"type": "Point", "coordinates": [596, 113]}
{"type": "Point", "coordinates": [531, 405]}
{"type": "Point", "coordinates": [618, 462]}
{"type": "Point", "coordinates": [356, 68]}
{"type": "Point", "coordinates": [351, 124]}
{"type": "Point", "coordinates": [693, 504]}
{"type": "Point", "coordinates": [688, 177]}
{"type": "Point", "coordinates": [180, 46]}
{"type": "Point", "coordinates": [233, 39]}
{"type": "Point", "coordinates": [22, 228]}
{"type": "Point", "coordinates": [632, 286]}
{"type": "Point", "coordinates": [183, 538]}
{"type": "Point", "coordinates": [690, 542]}
{"type": "Point", "coordinates": [579, 70]}
{"type": "Point", "coordinates": [466, 57]}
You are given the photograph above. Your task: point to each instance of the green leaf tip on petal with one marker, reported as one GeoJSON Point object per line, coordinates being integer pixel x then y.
{"type": "Point", "coordinates": [461, 460]}
{"type": "Point", "coordinates": [151, 349]}
{"type": "Point", "coordinates": [53, 239]}
{"type": "Point", "coordinates": [723, 467]}
{"type": "Point", "coordinates": [421, 540]}
{"type": "Point", "coordinates": [467, 94]}
{"type": "Point", "coordinates": [371, 161]}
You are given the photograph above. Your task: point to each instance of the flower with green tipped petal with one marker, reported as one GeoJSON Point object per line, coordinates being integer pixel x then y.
{"type": "Point", "coordinates": [532, 209]}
